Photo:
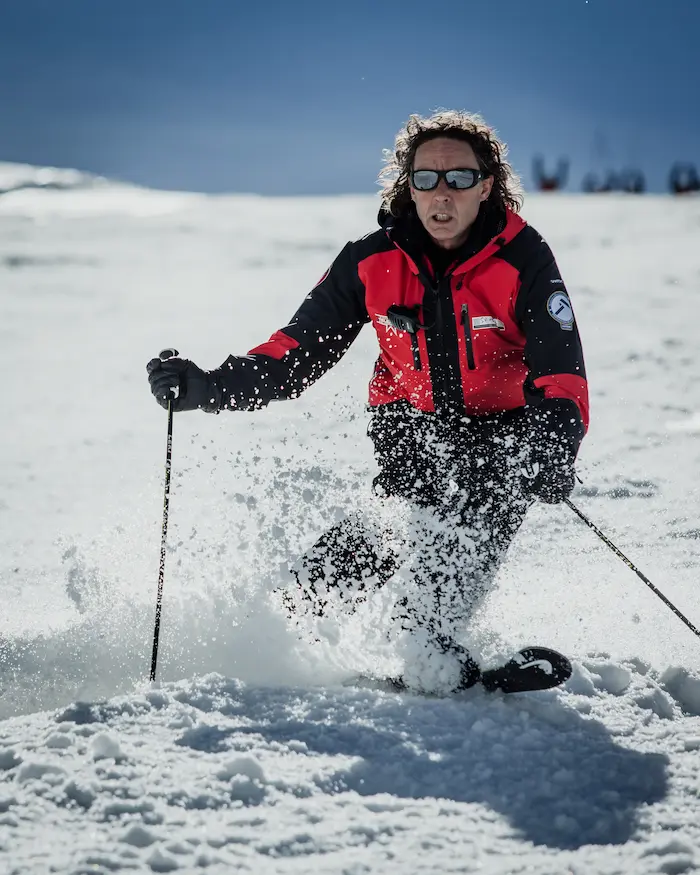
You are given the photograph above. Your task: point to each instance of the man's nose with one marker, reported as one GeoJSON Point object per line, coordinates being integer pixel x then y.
{"type": "Point", "coordinates": [443, 190]}
{"type": "Point", "coordinates": [442, 196]}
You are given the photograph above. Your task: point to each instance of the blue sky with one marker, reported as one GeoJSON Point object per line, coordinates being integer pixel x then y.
{"type": "Point", "coordinates": [301, 97]}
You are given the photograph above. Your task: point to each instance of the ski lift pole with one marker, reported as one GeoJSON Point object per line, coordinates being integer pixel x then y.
{"type": "Point", "coordinates": [165, 354]}
{"type": "Point", "coordinates": [632, 566]}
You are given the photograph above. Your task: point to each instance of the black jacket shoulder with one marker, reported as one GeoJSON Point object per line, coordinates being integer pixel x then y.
{"type": "Point", "coordinates": [527, 251]}
{"type": "Point", "coordinates": [371, 244]}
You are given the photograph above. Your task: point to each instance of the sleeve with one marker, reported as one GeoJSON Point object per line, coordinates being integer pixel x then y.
{"type": "Point", "coordinates": [318, 336]}
{"type": "Point", "coordinates": [553, 351]}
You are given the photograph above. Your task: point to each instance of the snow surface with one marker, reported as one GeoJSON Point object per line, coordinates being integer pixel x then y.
{"type": "Point", "coordinates": [39, 192]}
{"type": "Point", "coordinates": [251, 755]}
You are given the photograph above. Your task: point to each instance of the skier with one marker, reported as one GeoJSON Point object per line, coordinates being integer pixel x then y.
{"type": "Point", "coordinates": [478, 398]}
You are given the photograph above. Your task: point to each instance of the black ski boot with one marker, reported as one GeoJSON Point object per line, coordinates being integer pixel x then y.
{"type": "Point", "coordinates": [534, 668]}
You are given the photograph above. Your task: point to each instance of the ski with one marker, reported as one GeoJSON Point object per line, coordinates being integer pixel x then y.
{"type": "Point", "coordinates": [530, 669]}
{"type": "Point", "coordinates": [533, 668]}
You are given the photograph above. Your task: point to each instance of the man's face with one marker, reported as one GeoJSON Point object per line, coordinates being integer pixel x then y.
{"type": "Point", "coordinates": [448, 213]}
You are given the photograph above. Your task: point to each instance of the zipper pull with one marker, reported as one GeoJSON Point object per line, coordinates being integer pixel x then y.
{"type": "Point", "coordinates": [468, 342]}
{"type": "Point", "coordinates": [415, 349]}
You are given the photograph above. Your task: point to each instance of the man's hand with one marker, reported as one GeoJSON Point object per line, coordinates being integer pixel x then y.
{"type": "Point", "coordinates": [555, 432]}
{"type": "Point", "coordinates": [550, 481]}
{"type": "Point", "coordinates": [184, 384]}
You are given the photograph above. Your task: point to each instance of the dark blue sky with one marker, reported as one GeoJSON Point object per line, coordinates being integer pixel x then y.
{"type": "Point", "coordinates": [300, 96]}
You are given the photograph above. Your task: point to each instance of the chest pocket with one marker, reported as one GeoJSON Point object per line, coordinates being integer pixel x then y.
{"type": "Point", "coordinates": [483, 313]}
{"type": "Point", "coordinates": [404, 322]}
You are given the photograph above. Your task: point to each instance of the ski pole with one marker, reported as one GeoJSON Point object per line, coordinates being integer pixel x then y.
{"type": "Point", "coordinates": [631, 565]}
{"type": "Point", "coordinates": [165, 354]}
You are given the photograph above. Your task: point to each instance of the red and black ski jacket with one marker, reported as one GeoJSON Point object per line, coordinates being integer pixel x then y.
{"type": "Point", "coordinates": [496, 330]}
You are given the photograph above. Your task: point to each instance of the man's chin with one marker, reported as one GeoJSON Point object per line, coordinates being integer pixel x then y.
{"type": "Point", "coordinates": [447, 234]}
{"type": "Point", "coordinates": [443, 237]}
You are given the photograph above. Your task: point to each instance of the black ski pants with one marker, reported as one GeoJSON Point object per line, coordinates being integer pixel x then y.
{"type": "Point", "coordinates": [462, 479]}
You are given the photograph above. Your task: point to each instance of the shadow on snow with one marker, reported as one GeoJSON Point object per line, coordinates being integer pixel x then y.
{"type": "Point", "coordinates": [559, 778]}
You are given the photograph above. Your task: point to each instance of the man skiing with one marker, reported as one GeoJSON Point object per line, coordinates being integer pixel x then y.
{"type": "Point", "coordinates": [478, 398]}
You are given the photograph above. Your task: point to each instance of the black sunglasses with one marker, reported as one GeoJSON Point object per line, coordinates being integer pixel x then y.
{"type": "Point", "coordinates": [462, 178]}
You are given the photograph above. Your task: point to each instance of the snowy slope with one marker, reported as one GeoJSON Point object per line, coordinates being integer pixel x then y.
{"type": "Point", "coordinates": [252, 754]}
{"type": "Point", "coordinates": [14, 177]}
{"type": "Point", "coordinates": [36, 192]}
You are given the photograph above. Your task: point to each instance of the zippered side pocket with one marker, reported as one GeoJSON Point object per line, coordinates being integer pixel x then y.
{"type": "Point", "coordinates": [466, 326]}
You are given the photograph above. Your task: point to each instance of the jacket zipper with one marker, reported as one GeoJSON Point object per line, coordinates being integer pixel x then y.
{"type": "Point", "coordinates": [442, 340]}
{"type": "Point", "coordinates": [415, 349]}
{"type": "Point", "coordinates": [468, 337]}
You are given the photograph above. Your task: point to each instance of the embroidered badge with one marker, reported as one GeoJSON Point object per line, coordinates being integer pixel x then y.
{"type": "Point", "coordinates": [487, 322]}
{"type": "Point", "coordinates": [559, 308]}
{"type": "Point", "coordinates": [385, 323]}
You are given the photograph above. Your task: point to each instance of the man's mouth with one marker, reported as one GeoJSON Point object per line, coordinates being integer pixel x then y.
{"type": "Point", "coordinates": [441, 217]}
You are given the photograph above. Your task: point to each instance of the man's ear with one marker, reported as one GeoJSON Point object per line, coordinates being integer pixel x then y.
{"type": "Point", "coordinates": [487, 185]}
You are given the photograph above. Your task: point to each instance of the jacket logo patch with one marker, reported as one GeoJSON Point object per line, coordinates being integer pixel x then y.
{"type": "Point", "coordinates": [487, 322]}
{"type": "Point", "coordinates": [560, 309]}
{"type": "Point", "coordinates": [385, 323]}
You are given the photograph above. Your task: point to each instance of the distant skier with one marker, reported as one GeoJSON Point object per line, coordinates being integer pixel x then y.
{"type": "Point", "coordinates": [478, 399]}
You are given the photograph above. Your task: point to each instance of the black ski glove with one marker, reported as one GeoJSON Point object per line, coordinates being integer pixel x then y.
{"type": "Point", "coordinates": [551, 481]}
{"type": "Point", "coordinates": [186, 385]}
{"type": "Point", "coordinates": [555, 434]}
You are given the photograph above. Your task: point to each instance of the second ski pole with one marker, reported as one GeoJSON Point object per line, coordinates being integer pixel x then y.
{"type": "Point", "coordinates": [632, 566]}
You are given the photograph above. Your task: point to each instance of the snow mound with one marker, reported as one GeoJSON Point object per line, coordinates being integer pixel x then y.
{"type": "Point", "coordinates": [14, 177]}
{"type": "Point", "coordinates": [684, 687]}
{"type": "Point", "coordinates": [41, 192]}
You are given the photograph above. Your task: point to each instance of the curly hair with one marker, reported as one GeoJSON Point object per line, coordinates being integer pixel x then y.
{"type": "Point", "coordinates": [490, 152]}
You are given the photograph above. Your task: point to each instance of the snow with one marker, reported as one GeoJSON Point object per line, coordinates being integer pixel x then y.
{"type": "Point", "coordinates": [216, 773]}
{"type": "Point", "coordinates": [250, 754]}
{"type": "Point", "coordinates": [16, 176]}
{"type": "Point", "coordinates": [40, 192]}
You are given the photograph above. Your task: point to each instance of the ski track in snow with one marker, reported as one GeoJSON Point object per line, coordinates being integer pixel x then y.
{"type": "Point", "coordinates": [251, 755]}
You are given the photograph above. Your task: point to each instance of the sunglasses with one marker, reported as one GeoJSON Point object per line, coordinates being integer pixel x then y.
{"type": "Point", "coordinates": [463, 178]}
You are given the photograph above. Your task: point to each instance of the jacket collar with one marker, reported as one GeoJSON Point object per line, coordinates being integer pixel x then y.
{"type": "Point", "coordinates": [492, 229]}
